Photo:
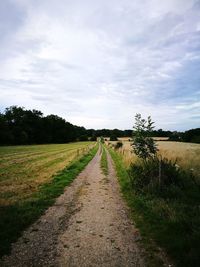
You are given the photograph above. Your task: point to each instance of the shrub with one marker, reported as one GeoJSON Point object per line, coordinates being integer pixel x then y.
{"type": "Point", "coordinates": [113, 138]}
{"type": "Point", "coordinates": [118, 145]}
{"type": "Point", "coordinates": [93, 138]}
{"type": "Point", "coordinates": [83, 138]}
{"type": "Point", "coordinates": [102, 140]}
{"type": "Point", "coordinates": [158, 176]}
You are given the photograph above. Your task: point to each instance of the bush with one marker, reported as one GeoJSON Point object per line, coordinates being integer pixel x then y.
{"type": "Point", "coordinates": [93, 138]}
{"type": "Point", "coordinates": [118, 145]}
{"type": "Point", "coordinates": [171, 217]}
{"type": "Point", "coordinates": [158, 176]}
{"type": "Point", "coordinates": [113, 138]}
{"type": "Point", "coordinates": [196, 139]}
{"type": "Point", "coordinates": [192, 135]}
{"type": "Point", "coordinates": [83, 138]}
{"type": "Point", "coordinates": [102, 140]}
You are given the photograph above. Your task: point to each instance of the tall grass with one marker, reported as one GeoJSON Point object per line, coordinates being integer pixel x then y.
{"type": "Point", "coordinates": [186, 155]}
{"type": "Point", "coordinates": [168, 214]}
{"type": "Point", "coordinates": [126, 151]}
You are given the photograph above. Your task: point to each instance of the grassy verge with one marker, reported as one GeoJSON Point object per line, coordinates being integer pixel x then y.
{"type": "Point", "coordinates": [15, 218]}
{"type": "Point", "coordinates": [174, 223]}
{"type": "Point", "coordinates": [104, 162]}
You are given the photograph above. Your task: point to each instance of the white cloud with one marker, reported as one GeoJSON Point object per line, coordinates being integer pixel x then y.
{"type": "Point", "coordinates": [96, 63]}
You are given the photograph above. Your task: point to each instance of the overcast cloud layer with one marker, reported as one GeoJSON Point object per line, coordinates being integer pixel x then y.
{"type": "Point", "coordinates": [97, 63]}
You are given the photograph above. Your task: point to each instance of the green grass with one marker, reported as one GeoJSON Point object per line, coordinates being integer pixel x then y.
{"type": "Point", "coordinates": [24, 168]}
{"type": "Point", "coordinates": [173, 223]}
{"type": "Point", "coordinates": [18, 216]}
{"type": "Point", "coordinates": [104, 162]}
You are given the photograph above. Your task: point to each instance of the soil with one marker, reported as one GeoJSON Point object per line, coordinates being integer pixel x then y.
{"type": "Point", "coordinates": [88, 225]}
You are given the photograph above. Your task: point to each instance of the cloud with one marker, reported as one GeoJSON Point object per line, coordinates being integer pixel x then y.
{"type": "Point", "coordinates": [97, 63]}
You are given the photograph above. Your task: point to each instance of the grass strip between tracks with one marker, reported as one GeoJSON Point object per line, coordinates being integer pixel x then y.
{"type": "Point", "coordinates": [104, 161]}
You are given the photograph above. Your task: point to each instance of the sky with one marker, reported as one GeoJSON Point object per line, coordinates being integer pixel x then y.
{"type": "Point", "coordinates": [98, 63]}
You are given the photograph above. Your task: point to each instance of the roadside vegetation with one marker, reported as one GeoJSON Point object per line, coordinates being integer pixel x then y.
{"type": "Point", "coordinates": [104, 162]}
{"type": "Point", "coordinates": [164, 200]}
{"type": "Point", "coordinates": [186, 155]}
{"type": "Point", "coordinates": [18, 214]}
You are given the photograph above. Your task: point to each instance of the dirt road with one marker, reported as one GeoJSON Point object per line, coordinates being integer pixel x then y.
{"type": "Point", "coordinates": [87, 226]}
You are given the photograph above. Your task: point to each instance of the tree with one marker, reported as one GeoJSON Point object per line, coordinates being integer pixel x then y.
{"type": "Point", "coordinates": [144, 146]}
{"type": "Point", "coordinates": [19, 126]}
{"type": "Point", "coordinates": [93, 138]}
{"type": "Point", "coordinates": [192, 135]}
{"type": "Point", "coordinates": [83, 138]}
{"type": "Point", "coordinates": [113, 138]}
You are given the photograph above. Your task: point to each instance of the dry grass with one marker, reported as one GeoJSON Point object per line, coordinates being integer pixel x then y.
{"type": "Point", "coordinates": [161, 138]}
{"type": "Point", "coordinates": [168, 217]}
{"type": "Point", "coordinates": [186, 154]}
{"type": "Point", "coordinates": [24, 168]}
{"type": "Point", "coordinates": [125, 139]}
{"type": "Point", "coordinates": [128, 139]}
{"type": "Point", "coordinates": [125, 150]}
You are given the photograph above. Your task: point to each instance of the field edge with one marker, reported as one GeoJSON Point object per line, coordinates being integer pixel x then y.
{"type": "Point", "coordinates": [17, 217]}
{"type": "Point", "coordinates": [154, 256]}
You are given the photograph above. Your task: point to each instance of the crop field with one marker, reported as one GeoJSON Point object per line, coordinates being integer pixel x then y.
{"type": "Point", "coordinates": [187, 155]}
{"type": "Point", "coordinates": [168, 214]}
{"type": "Point", "coordinates": [24, 168]}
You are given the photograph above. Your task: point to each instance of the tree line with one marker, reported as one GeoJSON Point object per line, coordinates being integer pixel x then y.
{"type": "Point", "coordinates": [191, 136]}
{"type": "Point", "coordinates": [19, 126]}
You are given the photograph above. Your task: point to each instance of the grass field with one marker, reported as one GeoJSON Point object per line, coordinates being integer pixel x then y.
{"type": "Point", "coordinates": [24, 168]}
{"type": "Point", "coordinates": [24, 198]}
{"type": "Point", "coordinates": [186, 154]}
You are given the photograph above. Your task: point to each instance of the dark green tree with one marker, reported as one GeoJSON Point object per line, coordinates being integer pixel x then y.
{"type": "Point", "coordinates": [113, 137]}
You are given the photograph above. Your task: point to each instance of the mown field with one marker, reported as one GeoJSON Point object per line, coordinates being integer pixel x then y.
{"type": "Point", "coordinates": [24, 168]}
{"type": "Point", "coordinates": [31, 178]}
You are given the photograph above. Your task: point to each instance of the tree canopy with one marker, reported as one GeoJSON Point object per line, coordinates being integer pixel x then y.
{"type": "Point", "coordinates": [19, 126]}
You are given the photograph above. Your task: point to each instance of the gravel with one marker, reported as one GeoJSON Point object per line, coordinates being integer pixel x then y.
{"type": "Point", "coordinates": [87, 226]}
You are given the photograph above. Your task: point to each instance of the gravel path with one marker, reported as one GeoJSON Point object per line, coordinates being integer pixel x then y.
{"type": "Point", "coordinates": [87, 226]}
